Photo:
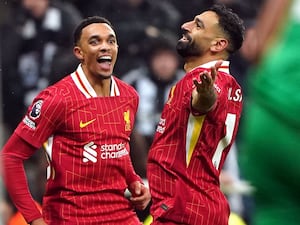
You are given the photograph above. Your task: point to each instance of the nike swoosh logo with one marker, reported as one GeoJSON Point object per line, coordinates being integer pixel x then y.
{"type": "Point", "coordinates": [84, 124]}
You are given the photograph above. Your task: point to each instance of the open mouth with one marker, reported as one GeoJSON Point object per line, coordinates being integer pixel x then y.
{"type": "Point", "coordinates": [104, 59]}
{"type": "Point", "coordinates": [185, 37]}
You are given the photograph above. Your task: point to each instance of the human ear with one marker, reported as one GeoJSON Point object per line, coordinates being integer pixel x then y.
{"type": "Point", "coordinates": [78, 53]}
{"type": "Point", "coordinates": [219, 44]}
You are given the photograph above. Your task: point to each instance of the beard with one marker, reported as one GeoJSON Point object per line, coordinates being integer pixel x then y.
{"type": "Point", "coordinates": [188, 49]}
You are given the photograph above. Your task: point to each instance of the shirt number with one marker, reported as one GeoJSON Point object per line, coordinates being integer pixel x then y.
{"type": "Point", "coordinates": [225, 141]}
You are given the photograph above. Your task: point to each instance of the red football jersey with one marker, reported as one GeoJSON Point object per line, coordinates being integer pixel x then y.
{"type": "Point", "coordinates": [87, 148]}
{"type": "Point", "coordinates": [189, 150]}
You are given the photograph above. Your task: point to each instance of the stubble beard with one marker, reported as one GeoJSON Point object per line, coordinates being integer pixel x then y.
{"type": "Point", "coordinates": [188, 49]}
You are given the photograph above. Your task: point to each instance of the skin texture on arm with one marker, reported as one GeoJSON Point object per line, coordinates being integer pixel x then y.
{"type": "Point", "coordinates": [203, 95]}
{"type": "Point", "coordinates": [268, 24]}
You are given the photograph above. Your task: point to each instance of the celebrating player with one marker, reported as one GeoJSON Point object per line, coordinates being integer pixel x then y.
{"type": "Point", "coordinates": [198, 125]}
{"type": "Point", "coordinates": [86, 119]}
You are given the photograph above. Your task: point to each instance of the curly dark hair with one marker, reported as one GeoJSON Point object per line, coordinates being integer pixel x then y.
{"type": "Point", "coordinates": [232, 25]}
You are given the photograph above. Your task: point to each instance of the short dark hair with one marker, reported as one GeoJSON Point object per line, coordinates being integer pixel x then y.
{"type": "Point", "coordinates": [87, 21]}
{"type": "Point", "coordinates": [232, 25]}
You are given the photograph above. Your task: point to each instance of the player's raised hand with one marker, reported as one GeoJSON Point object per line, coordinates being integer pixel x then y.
{"type": "Point", "coordinates": [140, 195]}
{"type": "Point", "coordinates": [203, 95]}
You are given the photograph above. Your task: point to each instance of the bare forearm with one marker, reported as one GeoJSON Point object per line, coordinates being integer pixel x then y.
{"type": "Point", "coordinates": [270, 20]}
{"type": "Point", "coordinates": [204, 102]}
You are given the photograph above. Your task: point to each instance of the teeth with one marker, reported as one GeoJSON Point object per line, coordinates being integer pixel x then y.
{"type": "Point", "coordinates": [105, 58]}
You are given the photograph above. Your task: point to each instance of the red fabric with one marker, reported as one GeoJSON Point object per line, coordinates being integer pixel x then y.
{"type": "Point", "coordinates": [88, 151]}
{"type": "Point", "coordinates": [186, 190]}
{"type": "Point", "coordinates": [18, 219]}
{"type": "Point", "coordinates": [13, 154]}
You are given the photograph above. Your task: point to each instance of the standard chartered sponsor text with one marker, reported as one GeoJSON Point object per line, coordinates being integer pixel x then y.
{"type": "Point", "coordinates": [112, 151]}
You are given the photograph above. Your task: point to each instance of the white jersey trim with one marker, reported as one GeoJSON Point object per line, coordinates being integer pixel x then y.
{"type": "Point", "coordinates": [86, 88]}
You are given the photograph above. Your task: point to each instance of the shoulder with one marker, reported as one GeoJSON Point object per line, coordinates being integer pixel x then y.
{"type": "Point", "coordinates": [228, 79]}
{"type": "Point", "coordinates": [61, 87]}
{"type": "Point", "coordinates": [56, 93]}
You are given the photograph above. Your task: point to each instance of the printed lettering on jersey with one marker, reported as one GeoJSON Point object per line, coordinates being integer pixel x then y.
{"type": "Point", "coordinates": [112, 151]}
{"type": "Point", "coordinates": [107, 151]}
{"type": "Point", "coordinates": [235, 95]}
{"type": "Point", "coordinates": [29, 122]}
{"type": "Point", "coordinates": [161, 126]}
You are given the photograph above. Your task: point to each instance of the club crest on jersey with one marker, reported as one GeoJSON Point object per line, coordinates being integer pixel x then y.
{"type": "Point", "coordinates": [127, 120]}
{"type": "Point", "coordinates": [36, 110]}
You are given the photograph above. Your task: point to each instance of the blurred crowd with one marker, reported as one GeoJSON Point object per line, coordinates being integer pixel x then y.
{"type": "Point", "coordinates": [36, 50]}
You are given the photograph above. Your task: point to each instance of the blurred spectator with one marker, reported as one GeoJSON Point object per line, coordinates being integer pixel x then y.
{"type": "Point", "coordinates": [247, 10]}
{"type": "Point", "coordinates": [11, 88]}
{"type": "Point", "coordinates": [270, 131]}
{"type": "Point", "coordinates": [36, 43]}
{"type": "Point", "coordinates": [135, 22]}
{"type": "Point", "coordinates": [190, 8]}
{"type": "Point", "coordinates": [153, 82]}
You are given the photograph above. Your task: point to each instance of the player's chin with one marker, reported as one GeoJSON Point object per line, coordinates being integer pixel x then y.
{"type": "Point", "coordinates": [105, 75]}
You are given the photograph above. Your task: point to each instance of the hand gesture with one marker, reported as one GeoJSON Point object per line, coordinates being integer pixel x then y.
{"type": "Point", "coordinates": [203, 95]}
{"type": "Point", "coordinates": [140, 195]}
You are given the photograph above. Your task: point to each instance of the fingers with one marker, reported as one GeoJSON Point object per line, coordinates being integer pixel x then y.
{"type": "Point", "coordinates": [208, 78]}
{"type": "Point", "coordinates": [206, 81]}
{"type": "Point", "coordinates": [205, 78]}
{"type": "Point", "coordinates": [214, 69]}
{"type": "Point", "coordinates": [135, 188]}
{"type": "Point", "coordinates": [141, 201]}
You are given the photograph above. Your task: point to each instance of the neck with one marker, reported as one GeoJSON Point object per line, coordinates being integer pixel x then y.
{"type": "Point", "coordinates": [100, 84]}
{"type": "Point", "coordinates": [102, 87]}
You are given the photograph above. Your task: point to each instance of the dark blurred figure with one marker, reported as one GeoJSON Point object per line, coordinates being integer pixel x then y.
{"type": "Point", "coordinates": [153, 81]}
{"type": "Point", "coordinates": [11, 88]}
{"type": "Point", "coordinates": [135, 21]}
{"type": "Point", "coordinates": [36, 43]}
{"type": "Point", "coordinates": [193, 7]}
{"type": "Point", "coordinates": [247, 10]}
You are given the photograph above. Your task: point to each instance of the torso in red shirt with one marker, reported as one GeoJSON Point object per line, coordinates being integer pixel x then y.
{"type": "Point", "coordinates": [189, 150]}
{"type": "Point", "coordinates": [88, 150]}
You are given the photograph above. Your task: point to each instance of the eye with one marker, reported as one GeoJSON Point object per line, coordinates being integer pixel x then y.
{"type": "Point", "coordinates": [199, 24]}
{"type": "Point", "coordinates": [112, 41]}
{"type": "Point", "coordinates": [93, 42]}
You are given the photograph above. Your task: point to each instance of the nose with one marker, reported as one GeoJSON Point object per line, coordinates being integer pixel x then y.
{"type": "Point", "coordinates": [104, 46]}
{"type": "Point", "coordinates": [186, 25]}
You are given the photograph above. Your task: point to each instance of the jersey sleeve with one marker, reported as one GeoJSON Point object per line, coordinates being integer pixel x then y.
{"type": "Point", "coordinates": [15, 151]}
{"type": "Point", "coordinates": [45, 114]}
